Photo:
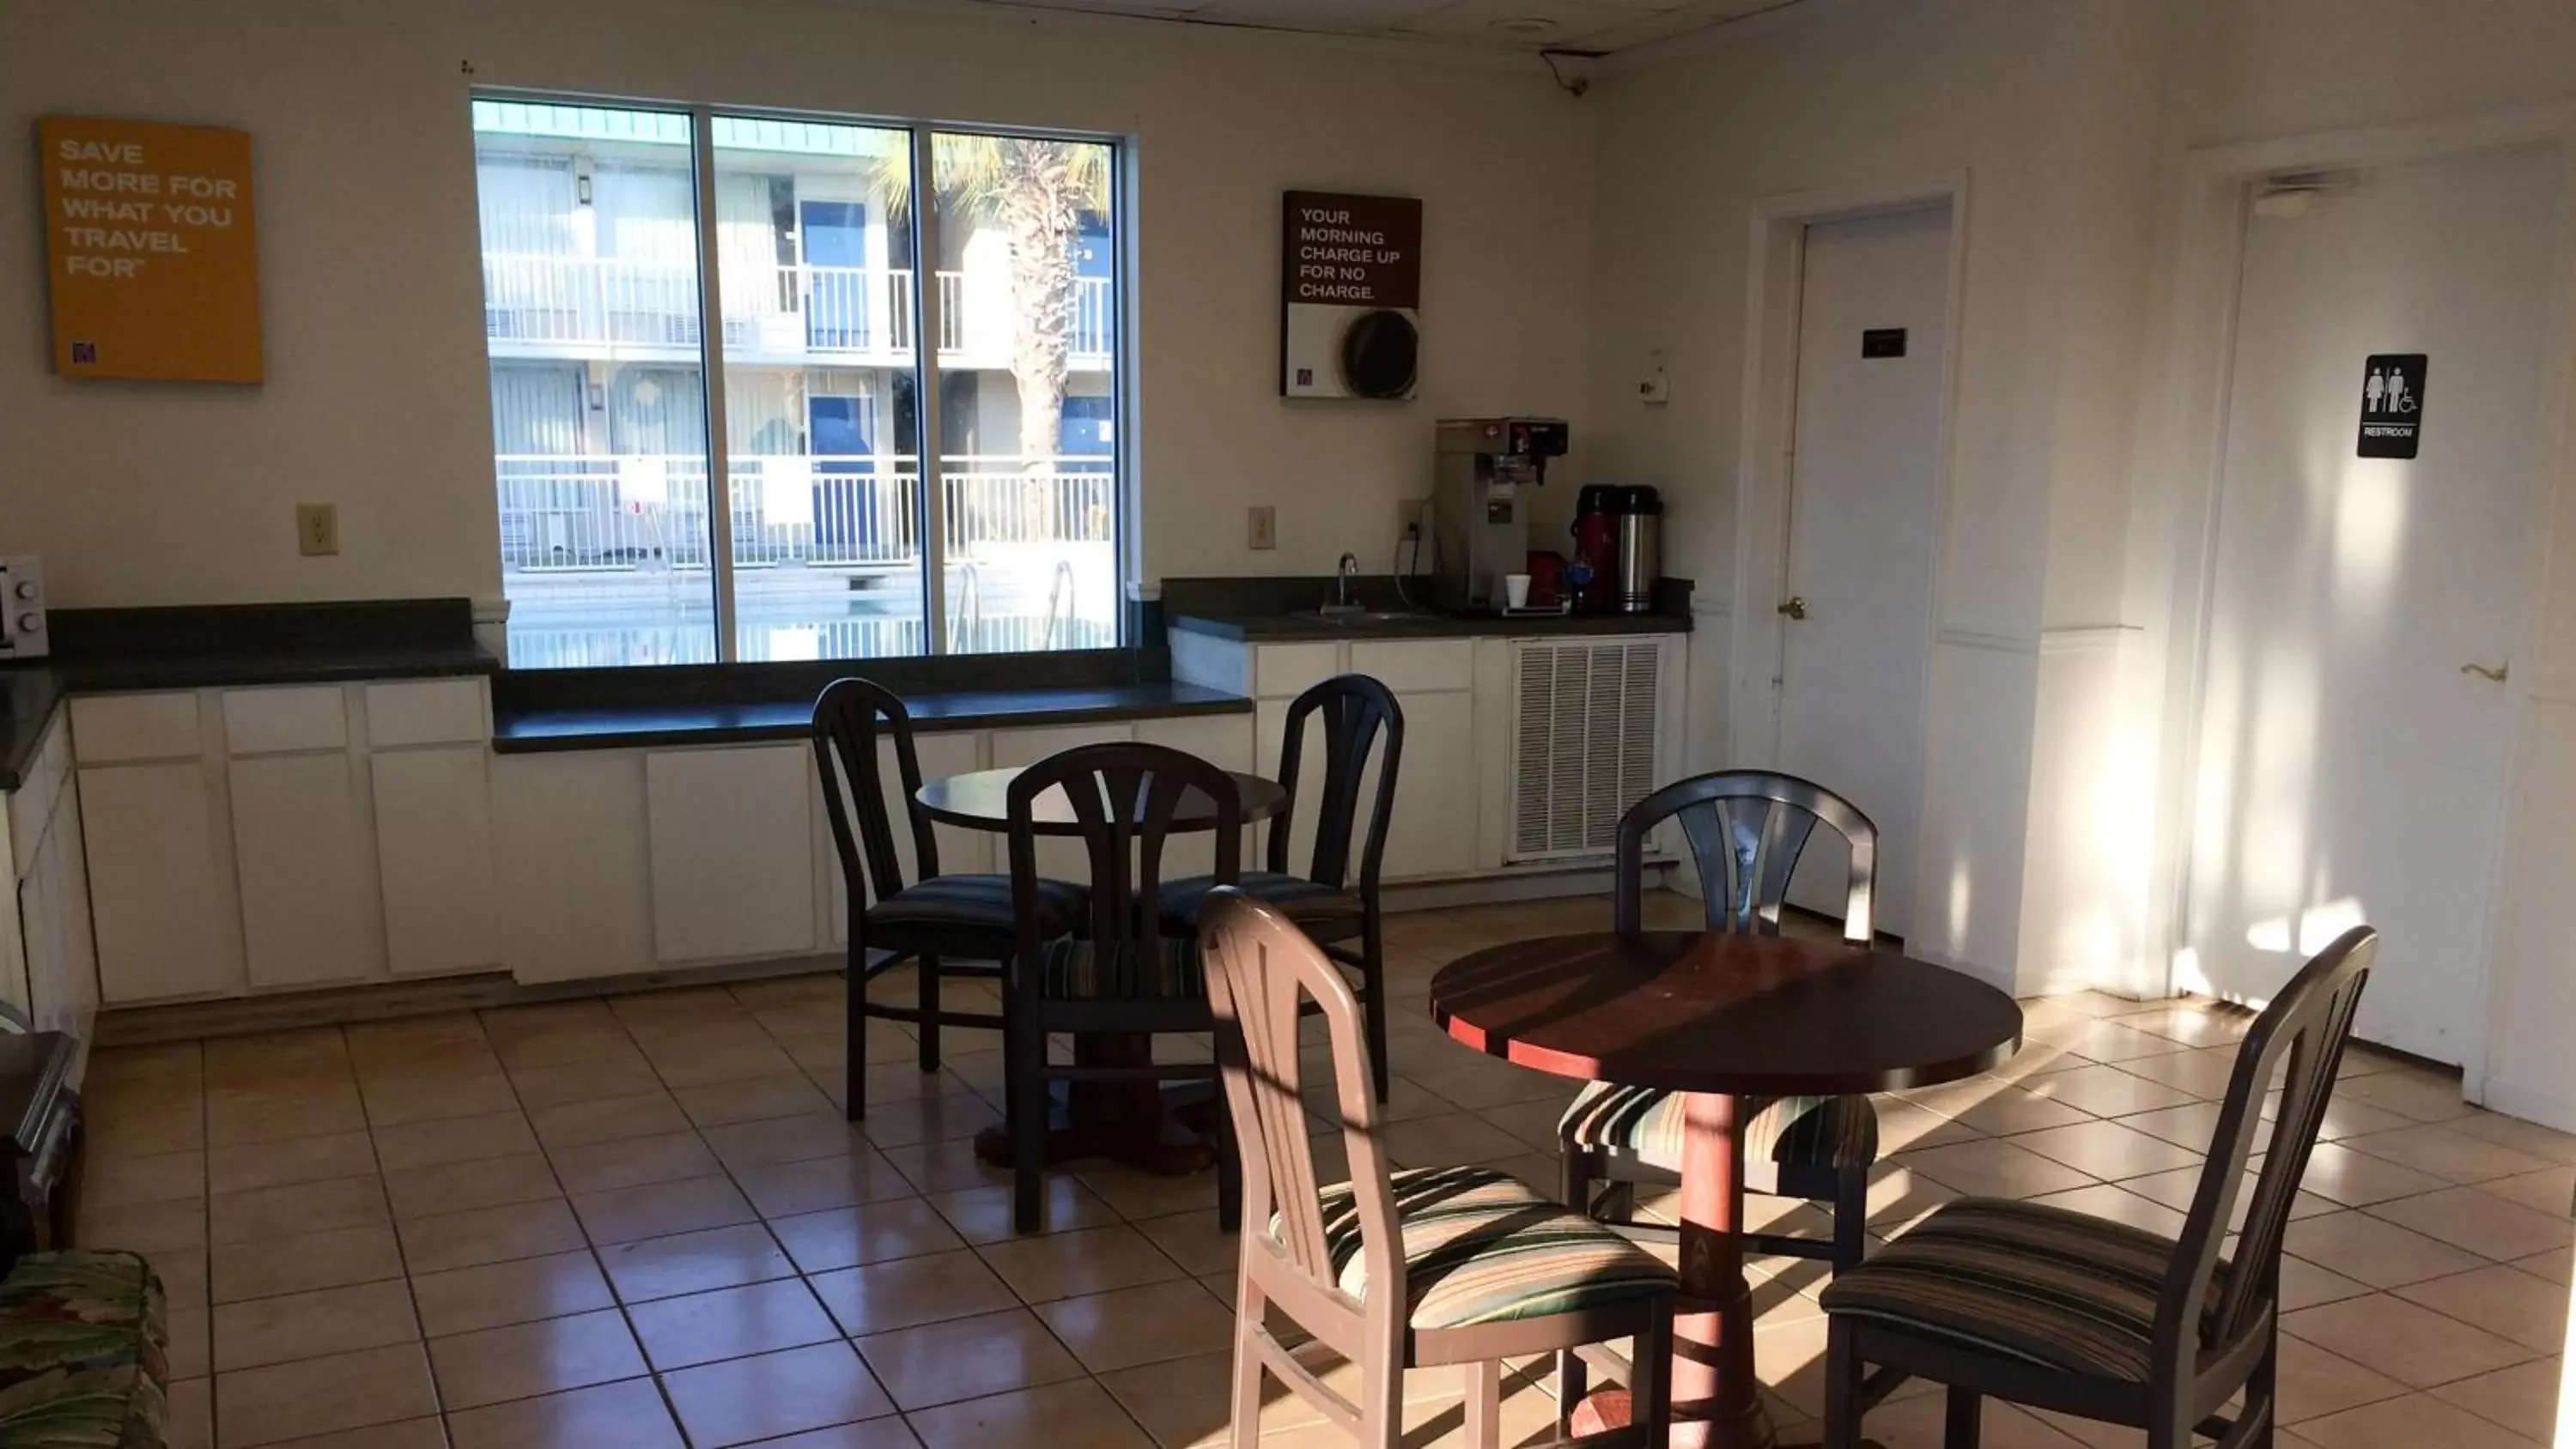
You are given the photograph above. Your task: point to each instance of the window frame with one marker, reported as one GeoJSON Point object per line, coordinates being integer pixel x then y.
{"type": "Point", "coordinates": [921, 131]}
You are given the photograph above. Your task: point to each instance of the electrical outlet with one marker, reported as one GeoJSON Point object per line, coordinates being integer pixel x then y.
{"type": "Point", "coordinates": [317, 529]}
{"type": "Point", "coordinates": [1408, 516]}
{"type": "Point", "coordinates": [1264, 526]}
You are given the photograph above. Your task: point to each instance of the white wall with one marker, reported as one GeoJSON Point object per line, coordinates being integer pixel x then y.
{"type": "Point", "coordinates": [376, 400]}
{"type": "Point", "coordinates": [2038, 103]}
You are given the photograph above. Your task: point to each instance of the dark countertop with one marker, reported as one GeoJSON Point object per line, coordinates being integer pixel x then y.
{"type": "Point", "coordinates": [624, 726]}
{"type": "Point", "coordinates": [1277, 628]}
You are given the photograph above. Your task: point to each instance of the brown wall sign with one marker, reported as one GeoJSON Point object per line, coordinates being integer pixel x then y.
{"type": "Point", "coordinates": [1350, 295]}
{"type": "Point", "coordinates": [151, 249]}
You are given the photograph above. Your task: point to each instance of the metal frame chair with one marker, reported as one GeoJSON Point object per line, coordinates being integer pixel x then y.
{"type": "Point", "coordinates": [852, 717]}
{"type": "Point", "coordinates": [1356, 711]}
{"type": "Point", "coordinates": [2191, 1330]}
{"type": "Point", "coordinates": [1124, 975]}
{"type": "Point", "coordinates": [1298, 1255]}
{"type": "Point", "coordinates": [1746, 830]}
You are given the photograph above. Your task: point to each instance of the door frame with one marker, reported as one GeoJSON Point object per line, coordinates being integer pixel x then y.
{"type": "Point", "coordinates": [2196, 375]}
{"type": "Point", "coordinates": [1775, 284]}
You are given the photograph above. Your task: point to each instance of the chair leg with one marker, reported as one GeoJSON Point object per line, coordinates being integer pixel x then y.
{"type": "Point", "coordinates": [2262, 1394]}
{"type": "Point", "coordinates": [854, 1052]}
{"type": "Point", "coordinates": [927, 966]}
{"type": "Point", "coordinates": [1484, 1405]}
{"type": "Point", "coordinates": [1650, 1376]}
{"type": "Point", "coordinates": [1842, 1388]}
{"type": "Point", "coordinates": [1573, 1376]}
{"type": "Point", "coordinates": [1851, 1217]}
{"type": "Point", "coordinates": [1245, 1419]}
{"type": "Point", "coordinates": [1373, 967]}
{"type": "Point", "coordinates": [1027, 1118]}
{"type": "Point", "coordinates": [1381, 1404]}
{"type": "Point", "coordinates": [1959, 1421]}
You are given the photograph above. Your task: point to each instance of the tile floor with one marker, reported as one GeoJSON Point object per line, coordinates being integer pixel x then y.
{"type": "Point", "coordinates": [641, 1222]}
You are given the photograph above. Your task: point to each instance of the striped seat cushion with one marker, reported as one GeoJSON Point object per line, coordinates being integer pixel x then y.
{"type": "Point", "coordinates": [1091, 971]}
{"type": "Point", "coordinates": [1821, 1132]}
{"type": "Point", "coordinates": [1311, 904]}
{"type": "Point", "coordinates": [2044, 1285]}
{"type": "Point", "coordinates": [978, 903]}
{"type": "Point", "coordinates": [1479, 1247]}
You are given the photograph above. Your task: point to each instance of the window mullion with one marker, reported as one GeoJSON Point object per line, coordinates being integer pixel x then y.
{"type": "Point", "coordinates": [925, 362]}
{"type": "Point", "coordinates": [711, 367]}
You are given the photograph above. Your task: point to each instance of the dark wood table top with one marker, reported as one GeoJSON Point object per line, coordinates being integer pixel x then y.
{"type": "Point", "coordinates": [980, 800]}
{"type": "Point", "coordinates": [1701, 1012]}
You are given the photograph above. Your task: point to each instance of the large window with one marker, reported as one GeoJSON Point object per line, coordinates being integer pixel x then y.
{"type": "Point", "coordinates": [677, 296]}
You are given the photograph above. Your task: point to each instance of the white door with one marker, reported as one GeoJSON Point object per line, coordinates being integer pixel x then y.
{"type": "Point", "coordinates": [1863, 518]}
{"type": "Point", "coordinates": [2350, 767]}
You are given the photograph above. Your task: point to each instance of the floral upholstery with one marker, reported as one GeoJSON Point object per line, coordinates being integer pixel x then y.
{"type": "Point", "coordinates": [84, 1353]}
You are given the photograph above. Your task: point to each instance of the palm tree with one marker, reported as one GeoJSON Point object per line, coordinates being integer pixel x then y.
{"type": "Point", "coordinates": [1038, 192]}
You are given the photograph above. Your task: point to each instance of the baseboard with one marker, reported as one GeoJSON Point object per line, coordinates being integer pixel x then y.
{"type": "Point", "coordinates": [2549, 1109]}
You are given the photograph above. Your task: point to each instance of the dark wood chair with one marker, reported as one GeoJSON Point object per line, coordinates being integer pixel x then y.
{"type": "Point", "coordinates": [1746, 830]}
{"type": "Point", "coordinates": [1489, 1269]}
{"type": "Point", "coordinates": [2081, 1315]}
{"type": "Point", "coordinates": [1125, 976]}
{"type": "Point", "coordinates": [1336, 906]}
{"type": "Point", "coordinates": [934, 922]}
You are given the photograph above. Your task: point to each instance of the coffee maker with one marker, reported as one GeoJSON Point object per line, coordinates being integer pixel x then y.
{"type": "Point", "coordinates": [1485, 470]}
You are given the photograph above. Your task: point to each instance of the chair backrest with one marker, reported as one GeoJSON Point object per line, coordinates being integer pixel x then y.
{"type": "Point", "coordinates": [850, 717]}
{"type": "Point", "coordinates": [1261, 971]}
{"type": "Point", "coordinates": [2306, 1027]}
{"type": "Point", "coordinates": [1746, 829]}
{"type": "Point", "coordinates": [1123, 799]}
{"type": "Point", "coordinates": [1356, 711]}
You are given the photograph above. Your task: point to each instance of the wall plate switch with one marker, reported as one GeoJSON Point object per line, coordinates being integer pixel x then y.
{"type": "Point", "coordinates": [317, 529]}
{"type": "Point", "coordinates": [1264, 526]}
{"type": "Point", "coordinates": [1654, 386]}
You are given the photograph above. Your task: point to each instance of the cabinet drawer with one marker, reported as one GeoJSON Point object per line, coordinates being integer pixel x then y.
{"type": "Point", "coordinates": [111, 727]}
{"type": "Point", "coordinates": [275, 721]}
{"type": "Point", "coordinates": [1406, 665]}
{"type": "Point", "coordinates": [426, 712]}
{"type": "Point", "coordinates": [1283, 670]}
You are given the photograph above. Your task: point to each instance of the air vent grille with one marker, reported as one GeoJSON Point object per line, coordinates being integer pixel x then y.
{"type": "Point", "coordinates": [1583, 748]}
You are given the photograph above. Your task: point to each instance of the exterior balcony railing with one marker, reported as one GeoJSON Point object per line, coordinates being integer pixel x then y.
{"type": "Point", "coordinates": [542, 300]}
{"type": "Point", "coordinates": [642, 513]}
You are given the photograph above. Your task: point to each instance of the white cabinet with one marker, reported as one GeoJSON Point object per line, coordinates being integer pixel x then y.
{"type": "Point", "coordinates": [1432, 830]}
{"type": "Point", "coordinates": [159, 883]}
{"type": "Point", "coordinates": [307, 873]}
{"type": "Point", "coordinates": [574, 881]}
{"type": "Point", "coordinates": [732, 852]}
{"type": "Point", "coordinates": [434, 858]}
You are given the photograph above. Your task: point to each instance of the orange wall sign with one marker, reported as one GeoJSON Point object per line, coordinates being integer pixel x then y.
{"type": "Point", "coordinates": [151, 249]}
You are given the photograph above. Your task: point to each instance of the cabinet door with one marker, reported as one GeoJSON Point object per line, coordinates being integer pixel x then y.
{"type": "Point", "coordinates": [1433, 831]}
{"type": "Point", "coordinates": [308, 886]}
{"type": "Point", "coordinates": [575, 888]}
{"type": "Point", "coordinates": [434, 855]}
{"type": "Point", "coordinates": [1225, 741]}
{"type": "Point", "coordinates": [156, 888]}
{"type": "Point", "coordinates": [66, 991]}
{"type": "Point", "coordinates": [733, 852]}
{"type": "Point", "coordinates": [1061, 857]}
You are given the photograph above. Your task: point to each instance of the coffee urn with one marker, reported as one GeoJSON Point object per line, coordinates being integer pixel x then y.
{"type": "Point", "coordinates": [1641, 548]}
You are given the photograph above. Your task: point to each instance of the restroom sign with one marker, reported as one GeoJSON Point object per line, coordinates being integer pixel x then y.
{"type": "Point", "coordinates": [2392, 404]}
{"type": "Point", "coordinates": [151, 249]}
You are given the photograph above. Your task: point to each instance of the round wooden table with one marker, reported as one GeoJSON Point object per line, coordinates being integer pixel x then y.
{"type": "Point", "coordinates": [1717, 1017]}
{"type": "Point", "coordinates": [1132, 1123]}
{"type": "Point", "coordinates": [980, 800]}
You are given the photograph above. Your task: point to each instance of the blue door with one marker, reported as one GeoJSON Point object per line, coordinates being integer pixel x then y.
{"type": "Point", "coordinates": [835, 240]}
{"type": "Point", "coordinates": [837, 428]}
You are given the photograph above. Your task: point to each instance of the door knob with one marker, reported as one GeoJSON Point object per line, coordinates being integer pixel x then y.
{"type": "Point", "coordinates": [1796, 608]}
{"type": "Point", "coordinates": [2496, 675]}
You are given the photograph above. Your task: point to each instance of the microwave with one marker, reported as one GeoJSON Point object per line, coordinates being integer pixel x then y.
{"type": "Point", "coordinates": [22, 608]}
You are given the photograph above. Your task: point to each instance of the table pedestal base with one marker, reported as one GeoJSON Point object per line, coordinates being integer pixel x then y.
{"type": "Point", "coordinates": [1163, 1130]}
{"type": "Point", "coordinates": [1694, 1426]}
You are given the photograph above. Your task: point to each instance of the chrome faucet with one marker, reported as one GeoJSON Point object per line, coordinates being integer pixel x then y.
{"type": "Point", "coordinates": [1347, 570]}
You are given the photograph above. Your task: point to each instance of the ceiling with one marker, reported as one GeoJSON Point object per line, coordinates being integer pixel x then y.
{"type": "Point", "coordinates": [1507, 25]}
